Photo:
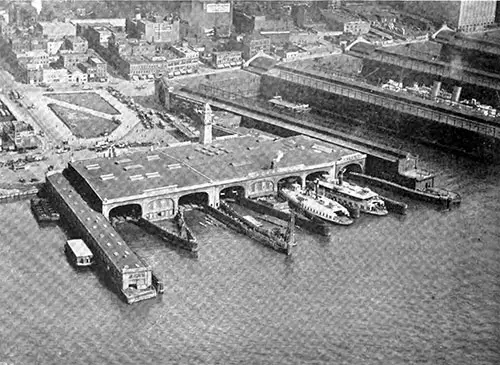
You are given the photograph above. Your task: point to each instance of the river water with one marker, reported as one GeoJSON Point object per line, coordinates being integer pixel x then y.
{"type": "Point", "coordinates": [424, 288]}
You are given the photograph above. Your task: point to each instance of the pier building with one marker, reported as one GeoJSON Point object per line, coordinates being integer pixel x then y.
{"type": "Point", "coordinates": [155, 183]}
{"type": "Point", "coordinates": [127, 273]}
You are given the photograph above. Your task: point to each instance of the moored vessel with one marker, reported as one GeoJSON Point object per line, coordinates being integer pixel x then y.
{"type": "Point", "coordinates": [275, 238]}
{"type": "Point", "coordinates": [265, 206]}
{"type": "Point", "coordinates": [352, 196]}
{"type": "Point", "coordinates": [312, 205]}
{"type": "Point", "coordinates": [78, 253]}
{"type": "Point", "coordinates": [431, 194]}
{"type": "Point", "coordinates": [43, 211]}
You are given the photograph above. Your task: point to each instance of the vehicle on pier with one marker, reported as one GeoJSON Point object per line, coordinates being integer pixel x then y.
{"type": "Point", "coordinates": [351, 196]}
{"type": "Point", "coordinates": [78, 253]}
{"type": "Point", "coordinates": [312, 205]}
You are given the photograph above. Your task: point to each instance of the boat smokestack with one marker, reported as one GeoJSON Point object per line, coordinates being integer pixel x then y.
{"type": "Point", "coordinates": [341, 176]}
{"type": "Point", "coordinates": [436, 87]}
{"type": "Point", "coordinates": [455, 97]}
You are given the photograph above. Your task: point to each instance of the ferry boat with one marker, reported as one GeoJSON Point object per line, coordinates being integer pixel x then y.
{"type": "Point", "coordinates": [78, 253]}
{"type": "Point", "coordinates": [316, 206]}
{"type": "Point", "coordinates": [352, 196]}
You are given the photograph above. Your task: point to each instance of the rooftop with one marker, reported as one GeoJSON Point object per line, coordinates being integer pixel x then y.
{"type": "Point", "coordinates": [101, 230]}
{"type": "Point", "coordinates": [341, 16]}
{"type": "Point", "coordinates": [57, 27]}
{"type": "Point", "coordinates": [187, 166]}
{"type": "Point", "coordinates": [164, 56]}
{"type": "Point", "coordinates": [117, 22]}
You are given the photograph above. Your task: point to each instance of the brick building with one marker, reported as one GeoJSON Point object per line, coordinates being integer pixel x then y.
{"type": "Point", "coordinates": [72, 59]}
{"type": "Point", "coordinates": [98, 36]}
{"type": "Point", "coordinates": [33, 59]}
{"type": "Point", "coordinates": [21, 134]}
{"type": "Point", "coordinates": [76, 44]}
{"type": "Point", "coordinates": [76, 75]}
{"type": "Point", "coordinates": [346, 22]}
{"type": "Point", "coordinates": [95, 68]}
{"type": "Point", "coordinates": [253, 44]}
{"type": "Point", "coordinates": [55, 29]}
{"type": "Point", "coordinates": [154, 29]}
{"type": "Point", "coordinates": [168, 64]}
{"type": "Point", "coordinates": [225, 59]}
{"type": "Point", "coordinates": [54, 75]}
{"type": "Point", "coordinates": [463, 15]}
{"type": "Point", "coordinates": [208, 17]}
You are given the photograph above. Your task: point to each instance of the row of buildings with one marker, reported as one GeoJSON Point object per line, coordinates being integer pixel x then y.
{"type": "Point", "coordinates": [17, 135]}
{"type": "Point", "coordinates": [52, 52]}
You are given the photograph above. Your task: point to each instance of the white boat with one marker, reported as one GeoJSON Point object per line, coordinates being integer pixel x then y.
{"type": "Point", "coordinates": [316, 206]}
{"type": "Point", "coordinates": [78, 252]}
{"type": "Point", "coordinates": [353, 196]}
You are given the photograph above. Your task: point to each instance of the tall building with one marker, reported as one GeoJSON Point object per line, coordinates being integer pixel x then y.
{"type": "Point", "coordinates": [154, 29]}
{"type": "Point", "coordinates": [462, 15]}
{"type": "Point", "coordinates": [208, 17]}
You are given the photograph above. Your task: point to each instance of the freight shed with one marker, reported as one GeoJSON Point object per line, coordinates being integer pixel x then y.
{"type": "Point", "coordinates": [156, 182]}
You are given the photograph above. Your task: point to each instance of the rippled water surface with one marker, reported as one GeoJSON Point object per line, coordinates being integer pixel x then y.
{"type": "Point", "coordinates": [424, 288]}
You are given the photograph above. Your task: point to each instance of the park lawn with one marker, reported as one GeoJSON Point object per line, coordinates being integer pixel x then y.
{"type": "Point", "coordinates": [81, 124]}
{"type": "Point", "coordinates": [88, 100]}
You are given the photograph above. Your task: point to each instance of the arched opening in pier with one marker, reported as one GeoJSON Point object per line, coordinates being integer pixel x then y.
{"type": "Point", "coordinates": [125, 212]}
{"type": "Point", "coordinates": [316, 175]}
{"type": "Point", "coordinates": [312, 177]}
{"type": "Point", "coordinates": [194, 199]}
{"type": "Point", "coordinates": [289, 180]}
{"type": "Point", "coordinates": [354, 167]}
{"type": "Point", "coordinates": [232, 192]}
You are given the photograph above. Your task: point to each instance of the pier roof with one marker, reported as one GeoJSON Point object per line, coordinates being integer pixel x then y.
{"type": "Point", "coordinates": [189, 165]}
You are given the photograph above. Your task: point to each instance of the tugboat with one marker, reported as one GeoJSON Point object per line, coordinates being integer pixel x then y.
{"type": "Point", "coordinates": [316, 206]}
{"type": "Point", "coordinates": [43, 211]}
{"type": "Point", "coordinates": [352, 196]}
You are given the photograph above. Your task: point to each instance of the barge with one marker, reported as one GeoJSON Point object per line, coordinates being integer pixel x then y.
{"type": "Point", "coordinates": [183, 238]}
{"type": "Point", "coordinates": [43, 210]}
{"type": "Point", "coordinates": [313, 225]}
{"type": "Point", "coordinates": [431, 195]}
{"type": "Point", "coordinates": [273, 238]}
